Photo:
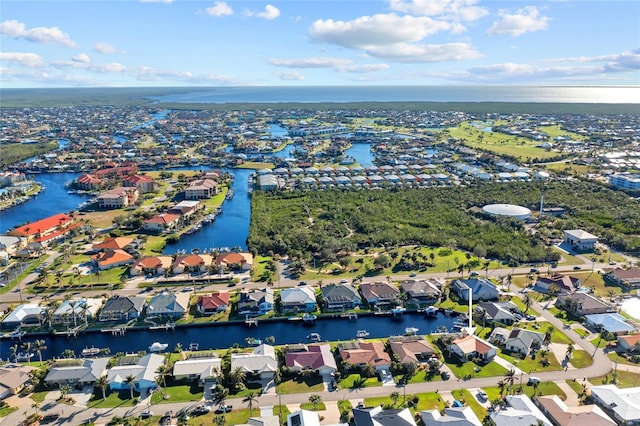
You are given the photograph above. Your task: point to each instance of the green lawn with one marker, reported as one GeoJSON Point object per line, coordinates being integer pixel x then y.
{"type": "Point", "coordinates": [355, 381]}
{"type": "Point", "coordinates": [545, 388]}
{"type": "Point", "coordinates": [470, 400]}
{"type": "Point", "coordinates": [613, 356]}
{"type": "Point", "coordinates": [309, 406]}
{"type": "Point", "coordinates": [114, 399]}
{"type": "Point", "coordinates": [581, 358]}
{"type": "Point", "coordinates": [426, 401]}
{"type": "Point", "coordinates": [532, 365]}
{"type": "Point", "coordinates": [177, 391]}
{"type": "Point", "coordinates": [6, 410]}
{"type": "Point", "coordinates": [300, 384]}
{"type": "Point", "coordinates": [469, 369]}
{"type": "Point", "coordinates": [576, 386]}
{"type": "Point", "coordinates": [624, 379]}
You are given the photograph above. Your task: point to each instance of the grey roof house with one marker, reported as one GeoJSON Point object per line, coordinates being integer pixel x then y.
{"type": "Point", "coordinates": [340, 297]}
{"type": "Point", "coordinates": [122, 308]}
{"type": "Point", "coordinates": [76, 372]}
{"type": "Point", "coordinates": [167, 305]}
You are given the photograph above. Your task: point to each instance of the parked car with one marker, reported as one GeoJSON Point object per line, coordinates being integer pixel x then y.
{"type": "Point", "coordinates": [200, 410]}
{"type": "Point", "coordinates": [445, 375]}
{"type": "Point", "coordinates": [303, 283]}
{"type": "Point", "coordinates": [530, 317]}
{"type": "Point", "coordinates": [474, 274]}
{"type": "Point", "coordinates": [482, 395]}
{"type": "Point", "coordinates": [576, 268]}
{"type": "Point", "coordinates": [145, 414]}
{"type": "Point", "coordinates": [533, 381]}
{"type": "Point", "coordinates": [224, 409]}
{"type": "Point", "coordinates": [343, 281]}
{"type": "Point", "coordinates": [49, 418]}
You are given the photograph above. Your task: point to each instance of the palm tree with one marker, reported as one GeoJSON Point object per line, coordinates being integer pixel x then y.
{"type": "Point", "coordinates": [103, 383]}
{"type": "Point", "coordinates": [36, 406]}
{"type": "Point", "coordinates": [527, 302]}
{"type": "Point", "coordinates": [26, 346]}
{"type": "Point", "coordinates": [163, 371]}
{"type": "Point", "coordinates": [315, 400]}
{"type": "Point", "coordinates": [130, 381]}
{"type": "Point", "coordinates": [13, 352]}
{"type": "Point", "coordinates": [509, 378]}
{"type": "Point", "coordinates": [64, 391]}
{"type": "Point", "coordinates": [395, 397]}
{"type": "Point", "coordinates": [237, 377]}
{"type": "Point", "coordinates": [39, 346]}
{"type": "Point", "coordinates": [249, 400]}
{"type": "Point", "coordinates": [570, 348]}
{"type": "Point", "coordinates": [502, 386]}
{"type": "Point", "coordinates": [548, 334]}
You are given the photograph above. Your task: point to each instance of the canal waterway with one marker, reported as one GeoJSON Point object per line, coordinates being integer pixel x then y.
{"type": "Point", "coordinates": [225, 335]}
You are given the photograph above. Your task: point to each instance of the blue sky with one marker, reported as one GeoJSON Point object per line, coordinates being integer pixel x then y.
{"type": "Point", "coordinates": [87, 43]}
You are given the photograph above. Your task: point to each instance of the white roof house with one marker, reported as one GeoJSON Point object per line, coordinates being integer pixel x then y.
{"type": "Point", "coordinates": [623, 405]}
{"type": "Point", "coordinates": [200, 368]}
{"type": "Point", "coordinates": [262, 361]}
{"type": "Point", "coordinates": [454, 416]}
{"type": "Point", "coordinates": [520, 411]}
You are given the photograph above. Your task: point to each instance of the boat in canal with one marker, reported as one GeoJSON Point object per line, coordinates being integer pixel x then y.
{"type": "Point", "coordinates": [431, 312]}
{"type": "Point", "coordinates": [194, 346]}
{"type": "Point", "coordinates": [158, 347]}
{"type": "Point", "coordinates": [362, 334]}
{"type": "Point", "coordinates": [314, 337]}
{"type": "Point", "coordinates": [22, 356]}
{"type": "Point", "coordinates": [411, 331]}
{"type": "Point", "coordinates": [253, 341]}
{"type": "Point", "coordinates": [92, 351]}
{"type": "Point", "coordinates": [309, 318]}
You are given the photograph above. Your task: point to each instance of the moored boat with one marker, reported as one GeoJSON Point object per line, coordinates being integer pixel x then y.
{"type": "Point", "coordinates": [315, 337]}
{"type": "Point", "coordinates": [411, 331]}
{"type": "Point", "coordinates": [362, 333]}
{"type": "Point", "coordinates": [158, 347]}
{"type": "Point", "coordinates": [309, 317]}
{"type": "Point", "coordinates": [92, 351]}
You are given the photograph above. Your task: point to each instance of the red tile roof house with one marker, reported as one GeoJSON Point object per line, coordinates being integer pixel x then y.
{"type": "Point", "coordinates": [235, 261]}
{"type": "Point", "coordinates": [217, 302]}
{"type": "Point", "coordinates": [117, 198]}
{"type": "Point", "coordinates": [563, 283]}
{"type": "Point", "coordinates": [143, 183]}
{"type": "Point", "coordinates": [112, 259]}
{"type": "Point", "coordinates": [469, 347]}
{"type": "Point", "coordinates": [113, 243]}
{"type": "Point", "coordinates": [380, 293]}
{"type": "Point", "coordinates": [52, 226]}
{"type": "Point", "coordinates": [161, 222]}
{"type": "Point", "coordinates": [154, 265]}
{"type": "Point", "coordinates": [411, 350]}
{"type": "Point", "coordinates": [312, 358]}
{"type": "Point", "coordinates": [192, 263]}
{"type": "Point", "coordinates": [363, 353]}
{"type": "Point", "coordinates": [89, 182]}
{"type": "Point", "coordinates": [629, 343]}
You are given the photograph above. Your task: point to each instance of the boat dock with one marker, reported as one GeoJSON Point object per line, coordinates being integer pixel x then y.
{"type": "Point", "coordinates": [251, 322]}
{"type": "Point", "coordinates": [116, 331]}
{"type": "Point", "coordinates": [168, 326]}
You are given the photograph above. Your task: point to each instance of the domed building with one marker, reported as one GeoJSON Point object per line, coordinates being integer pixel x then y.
{"type": "Point", "coordinates": [507, 210]}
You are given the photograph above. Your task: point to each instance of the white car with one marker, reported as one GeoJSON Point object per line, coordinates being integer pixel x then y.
{"type": "Point", "coordinates": [482, 395]}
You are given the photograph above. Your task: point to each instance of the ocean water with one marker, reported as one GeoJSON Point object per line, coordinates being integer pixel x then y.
{"type": "Point", "coordinates": [308, 94]}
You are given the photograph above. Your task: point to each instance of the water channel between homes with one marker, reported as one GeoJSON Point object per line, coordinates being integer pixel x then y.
{"type": "Point", "coordinates": [225, 335]}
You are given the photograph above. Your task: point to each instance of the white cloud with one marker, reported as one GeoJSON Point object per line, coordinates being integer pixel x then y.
{"type": "Point", "coordinates": [83, 58]}
{"type": "Point", "coordinates": [219, 8]}
{"type": "Point", "coordinates": [82, 62]}
{"type": "Point", "coordinates": [465, 10]}
{"type": "Point", "coordinates": [29, 60]}
{"type": "Point", "coordinates": [418, 53]}
{"type": "Point", "coordinates": [105, 48]}
{"type": "Point", "coordinates": [270, 12]}
{"type": "Point", "coordinates": [381, 29]}
{"type": "Point", "coordinates": [525, 20]}
{"type": "Point", "coordinates": [289, 75]}
{"type": "Point", "coordinates": [338, 64]}
{"type": "Point", "coordinates": [15, 29]}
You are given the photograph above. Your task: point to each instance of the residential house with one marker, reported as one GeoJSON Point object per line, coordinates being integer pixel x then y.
{"type": "Point", "coordinates": [316, 358]}
{"type": "Point", "coordinates": [161, 222]}
{"type": "Point", "coordinates": [580, 240]}
{"type": "Point", "coordinates": [488, 312]}
{"type": "Point", "coordinates": [192, 263]}
{"type": "Point", "coordinates": [142, 369]}
{"type": "Point", "coordinates": [51, 227]}
{"type": "Point", "coordinates": [151, 265]}
{"type": "Point", "coordinates": [89, 182]}
{"type": "Point", "coordinates": [25, 315]}
{"type": "Point", "coordinates": [217, 302]}
{"type": "Point", "coordinates": [622, 405]}
{"type": "Point", "coordinates": [201, 189]}
{"type": "Point", "coordinates": [144, 183]}
{"type": "Point", "coordinates": [472, 347]}
{"type": "Point", "coordinates": [411, 349]}
{"type": "Point", "coordinates": [481, 289]}
{"type": "Point", "coordinates": [13, 378]}
{"type": "Point", "coordinates": [198, 369]}
{"type": "Point", "coordinates": [453, 416]}
{"type": "Point", "coordinates": [579, 304]}
{"type": "Point", "coordinates": [365, 353]}
{"type": "Point", "coordinates": [11, 245]}
{"type": "Point", "coordinates": [377, 416]}
{"type": "Point", "coordinates": [380, 294]}
{"type": "Point", "coordinates": [113, 243]}
{"type": "Point", "coordinates": [112, 259]}
{"type": "Point", "coordinates": [113, 171]}
{"type": "Point", "coordinates": [122, 309]}
{"type": "Point", "coordinates": [297, 418]}
{"type": "Point", "coordinates": [561, 414]}
{"type": "Point", "coordinates": [421, 292]}
{"type": "Point", "coordinates": [235, 261]}
{"type": "Point", "coordinates": [167, 306]}
{"type": "Point", "coordinates": [186, 208]}
{"type": "Point", "coordinates": [298, 299]}
{"type": "Point", "coordinates": [557, 283]}
{"type": "Point", "coordinates": [340, 297]}
{"type": "Point", "coordinates": [627, 278]}
{"type": "Point", "coordinates": [72, 312]}
{"type": "Point", "coordinates": [629, 343]}
{"type": "Point", "coordinates": [118, 198]}
{"type": "Point", "coordinates": [76, 372]}
{"type": "Point", "coordinates": [262, 361]}
{"type": "Point", "coordinates": [255, 302]}
{"type": "Point", "coordinates": [519, 411]}
{"type": "Point", "coordinates": [611, 322]}
{"type": "Point", "coordinates": [517, 340]}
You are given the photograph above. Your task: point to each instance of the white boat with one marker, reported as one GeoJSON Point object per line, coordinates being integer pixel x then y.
{"type": "Point", "coordinates": [410, 331]}
{"type": "Point", "coordinates": [309, 317]}
{"type": "Point", "coordinates": [314, 337]}
{"type": "Point", "coordinates": [158, 347]}
{"type": "Point", "coordinates": [194, 346]}
{"type": "Point", "coordinates": [362, 333]}
{"type": "Point", "coordinates": [253, 341]}
{"type": "Point", "coordinates": [431, 311]}
{"type": "Point", "coordinates": [24, 356]}
{"type": "Point", "coordinates": [92, 351]}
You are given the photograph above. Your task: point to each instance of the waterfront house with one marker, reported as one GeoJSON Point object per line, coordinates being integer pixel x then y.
{"type": "Point", "coordinates": [151, 265]}
{"type": "Point", "coordinates": [487, 312]}
{"type": "Point", "coordinates": [89, 182]}
{"type": "Point", "coordinates": [380, 294]}
{"type": "Point", "coordinates": [201, 189]}
{"type": "Point", "coordinates": [340, 297]}
{"type": "Point", "coordinates": [235, 261]}
{"type": "Point", "coordinates": [579, 304]}
{"type": "Point", "coordinates": [76, 372]}
{"type": "Point", "coordinates": [316, 358]}
{"type": "Point", "coordinates": [25, 315]}
{"type": "Point", "coordinates": [365, 353]}
{"type": "Point", "coordinates": [197, 369]}
{"type": "Point", "coordinates": [622, 405]}
{"type": "Point", "coordinates": [580, 240]}
{"type": "Point", "coordinates": [611, 322]}
{"type": "Point", "coordinates": [53, 226]}
{"type": "Point", "coordinates": [112, 259]}
{"type": "Point", "coordinates": [627, 278]}
{"type": "Point", "coordinates": [519, 410]}
{"type": "Point", "coordinates": [262, 361]}
{"type": "Point", "coordinates": [70, 312]}
{"type": "Point", "coordinates": [557, 283]}
{"type": "Point", "coordinates": [471, 347]}
{"type": "Point", "coordinates": [629, 343]}
{"type": "Point", "coordinates": [217, 302]}
{"type": "Point", "coordinates": [517, 340]}
{"type": "Point", "coordinates": [167, 306]}
{"type": "Point", "coordinates": [122, 308]}
{"type": "Point", "coordinates": [481, 288]}
{"type": "Point", "coordinates": [421, 292]}
{"type": "Point", "coordinates": [118, 198]}
{"type": "Point", "coordinates": [255, 302]}
{"type": "Point", "coordinates": [186, 208]}
{"type": "Point", "coordinates": [13, 378]}
{"type": "Point", "coordinates": [453, 416]}
{"type": "Point", "coordinates": [161, 222]}
{"type": "Point", "coordinates": [144, 183]}
{"type": "Point", "coordinates": [299, 299]}
{"type": "Point", "coordinates": [113, 243]}
{"type": "Point", "coordinates": [411, 349]}
{"type": "Point", "coordinates": [11, 245]}
{"type": "Point", "coordinates": [143, 369]}
{"type": "Point", "coordinates": [561, 414]}
{"type": "Point", "coordinates": [112, 171]}
{"type": "Point", "coordinates": [378, 416]}
{"type": "Point", "coordinates": [192, 263]}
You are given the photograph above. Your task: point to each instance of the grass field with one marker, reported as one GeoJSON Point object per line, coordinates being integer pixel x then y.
{"type": "Point", "coordinates": [300, 384]}
{"type": "Point", "coordinates": [623, 379]}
